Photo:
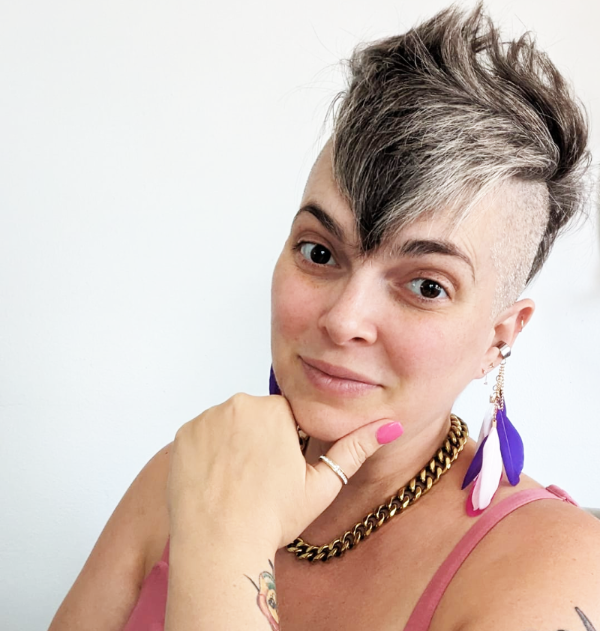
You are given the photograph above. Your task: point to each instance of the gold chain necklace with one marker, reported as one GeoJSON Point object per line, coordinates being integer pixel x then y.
{"type": "Point", "coordinates": [439, 464]}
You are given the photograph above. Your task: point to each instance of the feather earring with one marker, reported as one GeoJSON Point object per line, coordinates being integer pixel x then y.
{"type": "Point", "coordinates": [500, 448]}
{"type": "Point", "coordinates": [273, 385]}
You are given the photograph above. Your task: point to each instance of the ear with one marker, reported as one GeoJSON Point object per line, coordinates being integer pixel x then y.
{"type": "Point", "coordinates": [506, 328]}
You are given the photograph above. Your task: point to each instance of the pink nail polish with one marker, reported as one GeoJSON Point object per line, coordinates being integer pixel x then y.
{"type": "Point", "coordinates": [389, 432]}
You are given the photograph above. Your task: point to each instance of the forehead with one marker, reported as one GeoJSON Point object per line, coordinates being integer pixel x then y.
{"type": "Point", "coordinates": [475, 234]}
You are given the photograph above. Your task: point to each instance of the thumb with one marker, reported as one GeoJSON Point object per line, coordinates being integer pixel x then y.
{"type": "Point", "coordinates": [346, 457]}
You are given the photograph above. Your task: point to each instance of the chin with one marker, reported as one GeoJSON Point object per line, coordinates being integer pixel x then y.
{"type": "Point", "coordinates": [325, 422]}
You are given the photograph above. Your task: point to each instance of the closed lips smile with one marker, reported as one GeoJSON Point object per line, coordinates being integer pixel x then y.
{"type": "Point", "coordinates": [336, 379]}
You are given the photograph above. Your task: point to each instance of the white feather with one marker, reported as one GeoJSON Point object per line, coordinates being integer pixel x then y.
{"type": "Point", "coordinates": [488, 479]}
{"type": "Point", "coordinates": [487, 423]}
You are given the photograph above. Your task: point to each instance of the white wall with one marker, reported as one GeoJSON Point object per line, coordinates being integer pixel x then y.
{"type": "Point", "coordinates": [152, 155]}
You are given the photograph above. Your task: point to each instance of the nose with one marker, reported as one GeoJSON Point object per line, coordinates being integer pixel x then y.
{"type": "Point", "coordinates": [351, 315]}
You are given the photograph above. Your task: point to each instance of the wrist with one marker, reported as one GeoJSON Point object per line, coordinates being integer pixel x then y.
{"type": "Point", "coordinates": [223, 538]}
{"type": "Point", "coordinates": [193, 523]}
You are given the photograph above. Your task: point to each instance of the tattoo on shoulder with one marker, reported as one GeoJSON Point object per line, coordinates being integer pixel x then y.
{"type": "Point", "coordinates": [587, 625]}
{"type": "Point", "coordinates": [266, 598]}
{"type": "Point", "coordinates": [586, 622]}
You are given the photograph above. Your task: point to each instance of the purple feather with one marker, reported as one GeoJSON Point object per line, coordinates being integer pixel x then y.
{"type": "Point", "coordinates": [511, 447]}
{"type": "Point", "coordinates": [273, 387]}
{"type": "Point", "coordinates": [475, 466]}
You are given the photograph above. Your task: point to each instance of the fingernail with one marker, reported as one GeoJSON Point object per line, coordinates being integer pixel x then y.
{"type": "Point", "coordinates": [389, 432]}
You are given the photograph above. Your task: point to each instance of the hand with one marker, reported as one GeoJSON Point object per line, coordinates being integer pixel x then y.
{"type": "Point", "coordinates": [237, 471]}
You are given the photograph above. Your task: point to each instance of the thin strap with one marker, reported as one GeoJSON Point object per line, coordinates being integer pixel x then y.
{"type": "Point", "coordinates": [422, 614]}
{"type": "Point", "coordinates": [165, 554]}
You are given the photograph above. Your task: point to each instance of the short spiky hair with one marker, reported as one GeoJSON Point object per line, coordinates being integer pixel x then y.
{"type": "Point", "coordinates": [437, 116]}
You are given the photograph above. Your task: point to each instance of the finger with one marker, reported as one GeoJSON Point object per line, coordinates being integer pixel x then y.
{"type": "Point", "coordinates": [346, 457]}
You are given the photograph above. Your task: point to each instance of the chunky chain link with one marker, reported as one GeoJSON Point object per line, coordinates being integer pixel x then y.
{"type": "Point", "coordinates": [440, 462]}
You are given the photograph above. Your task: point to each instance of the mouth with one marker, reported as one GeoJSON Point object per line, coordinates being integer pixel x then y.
{"type": "Point", "coordinates": [336, 379]}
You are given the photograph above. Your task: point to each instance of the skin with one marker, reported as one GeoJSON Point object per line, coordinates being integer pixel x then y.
{"type": "Point", "coordinates": [355, 313]}
{"type": "Point", "coordinates": [584, 619]}
{"type": "Point", "coordinates": [414, 355]}
{"type": "Point", "coordinates": [365, 315]}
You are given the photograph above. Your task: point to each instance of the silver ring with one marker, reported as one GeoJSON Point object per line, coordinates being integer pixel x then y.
{"type": "Point", "coordinates": [505, 350]}
{"type": "Point", "coordinates": [335, 468]}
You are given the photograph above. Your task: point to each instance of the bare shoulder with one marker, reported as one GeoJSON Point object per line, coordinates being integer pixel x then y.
{"type": "Point", "coordinates": [538, 569]}
{"type": "Point", "coordinates": [108, 585]}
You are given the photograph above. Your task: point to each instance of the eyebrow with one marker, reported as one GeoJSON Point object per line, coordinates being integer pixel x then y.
{"type": "Point", "coordinates": [328, 222]}
{"type": "Point", "coordinates": [423, 247]}
{"type": "Point", "coordinates": [412, 247]}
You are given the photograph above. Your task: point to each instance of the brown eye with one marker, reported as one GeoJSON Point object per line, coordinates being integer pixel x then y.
{"type": "Point", "coordinates": [427, 288]}
{"type": "Point", "coordinates": [317, 254]}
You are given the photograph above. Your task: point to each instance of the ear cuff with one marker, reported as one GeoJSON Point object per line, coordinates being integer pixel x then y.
{"type": "Point", "coordinates": [505, 350]}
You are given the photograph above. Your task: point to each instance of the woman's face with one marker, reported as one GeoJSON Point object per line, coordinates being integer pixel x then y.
{"type": "Point", "coordinates": [398, 334]}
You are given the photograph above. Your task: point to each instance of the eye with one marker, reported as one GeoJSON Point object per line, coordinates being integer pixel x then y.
{"type": "Point", "coordinates": [427, 288]}
{"type": "Point", "coordinates": [316, 253]}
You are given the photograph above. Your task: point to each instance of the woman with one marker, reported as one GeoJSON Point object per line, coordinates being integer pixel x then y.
{"type": "Point", "coordinates": [455, 161]}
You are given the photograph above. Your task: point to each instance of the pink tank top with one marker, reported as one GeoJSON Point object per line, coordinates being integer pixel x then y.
{"type": "Point", "coordinates": [149, 611]}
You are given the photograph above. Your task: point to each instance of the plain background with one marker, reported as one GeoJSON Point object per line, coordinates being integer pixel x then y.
{"type": "Point", "coordinates": [152, 155]}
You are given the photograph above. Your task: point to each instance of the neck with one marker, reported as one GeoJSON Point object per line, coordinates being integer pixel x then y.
{"type": "Point", "coordinates": [380, 477]}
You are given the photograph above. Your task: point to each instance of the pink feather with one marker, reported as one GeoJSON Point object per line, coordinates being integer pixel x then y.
{"type": "Point", "coordinates": [489, 477]}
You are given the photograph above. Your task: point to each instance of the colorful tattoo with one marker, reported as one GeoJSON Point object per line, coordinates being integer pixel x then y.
{"type": "Point", "coordinates": [266, 598]}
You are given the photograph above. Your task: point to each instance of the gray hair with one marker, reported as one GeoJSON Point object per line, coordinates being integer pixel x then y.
{"type": "Point", "coordinates": [439, 116]}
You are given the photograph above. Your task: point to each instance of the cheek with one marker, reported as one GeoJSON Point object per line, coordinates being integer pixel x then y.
{"type": "Point", "coordinates": [433, 354]}
{"type": "Point", "coordinates": [294, 309]}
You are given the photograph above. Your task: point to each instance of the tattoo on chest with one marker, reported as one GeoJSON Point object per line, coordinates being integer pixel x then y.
{"type": "Point", "coordinates": [266, 598]}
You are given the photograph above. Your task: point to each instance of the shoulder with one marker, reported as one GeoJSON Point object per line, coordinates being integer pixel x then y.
{"type": "Point", "coordinates": [152, 479]}
{"type": "Point", "coordinates": [141, 516]}
{"type": "Point", "coordinates": [534, 569]}
{"type": "Point", "coordinates": [108, 585]}
{"type": "Point", "coordinates": [151, 501]}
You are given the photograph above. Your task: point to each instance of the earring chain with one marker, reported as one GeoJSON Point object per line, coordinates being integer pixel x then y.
{"type": "Point", "coordinates": [497, 397]}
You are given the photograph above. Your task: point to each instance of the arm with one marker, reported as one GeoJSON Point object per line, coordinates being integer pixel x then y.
{"type": "Point", "coordinates": [237, 495]}
{"type": "Point", "coordinates": [217, 546]}
{"type": "Point", "coordinates": [222, 586]}
{"type": "Point", "coordinates": [107, 587]}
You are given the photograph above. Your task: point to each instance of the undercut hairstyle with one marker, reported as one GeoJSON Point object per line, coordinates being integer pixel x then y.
{"type": "Point", "coordinates": [436, 118]}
